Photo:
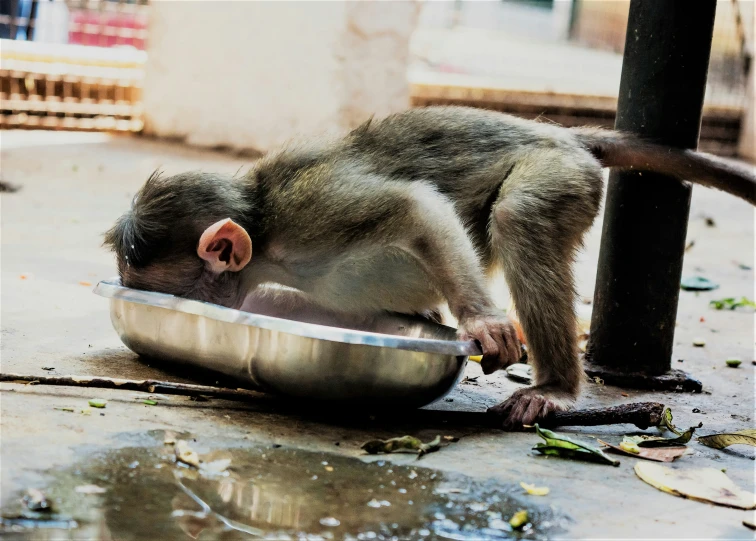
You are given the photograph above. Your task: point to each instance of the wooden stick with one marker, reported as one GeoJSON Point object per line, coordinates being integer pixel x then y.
{"type": "Point", "coordinates": [145, 385]}
{"type": "Point", "coordinates": [641, 414]}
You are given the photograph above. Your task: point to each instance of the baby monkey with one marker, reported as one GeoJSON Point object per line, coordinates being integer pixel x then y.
{"type": "Point", "coordinates": [405, 214]}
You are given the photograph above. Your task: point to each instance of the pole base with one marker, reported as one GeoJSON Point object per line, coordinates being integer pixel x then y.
{"type": "Point", "coordinates": [674, 380]}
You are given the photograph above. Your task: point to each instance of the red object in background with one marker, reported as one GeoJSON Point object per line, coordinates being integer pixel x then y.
{"type": "Point", "coordinates": [101, 29]}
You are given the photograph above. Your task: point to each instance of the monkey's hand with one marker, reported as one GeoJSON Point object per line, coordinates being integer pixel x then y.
{"type": "Point", "coordinates": [530, 405]}
{"type": "Point", "coordinates": [497, 338]}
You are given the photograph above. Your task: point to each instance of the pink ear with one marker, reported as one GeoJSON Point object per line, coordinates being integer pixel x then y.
{"type": "Point", "coordinates": [226, 246]}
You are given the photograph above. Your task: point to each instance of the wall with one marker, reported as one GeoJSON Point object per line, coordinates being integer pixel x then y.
{"type": "Point", "coordinates": [250, 75]}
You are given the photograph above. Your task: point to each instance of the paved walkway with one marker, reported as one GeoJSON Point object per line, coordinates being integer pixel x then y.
{"type": "Point", "coordinates": [74, 186]}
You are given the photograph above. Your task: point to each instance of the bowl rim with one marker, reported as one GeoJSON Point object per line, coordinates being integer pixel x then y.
{"type": "Point", "coordinates": [112, 289]}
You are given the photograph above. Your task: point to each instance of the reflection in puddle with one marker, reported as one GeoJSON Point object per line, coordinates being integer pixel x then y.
{"type": "Point", "coordinates": [274, 494]}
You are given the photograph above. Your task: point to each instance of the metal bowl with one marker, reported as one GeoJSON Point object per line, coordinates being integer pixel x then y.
{"type": "Point", "coordinates": [386, 361]}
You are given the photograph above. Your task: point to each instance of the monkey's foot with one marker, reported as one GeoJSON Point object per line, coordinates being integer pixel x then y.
{"type": "Point", "coordinates": [528, 406]}
{"type": "Point", "coordinates": [497, 337]}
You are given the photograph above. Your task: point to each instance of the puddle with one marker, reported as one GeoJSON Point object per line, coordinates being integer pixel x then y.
{"type": "Point", "coordinates": [273, 493]}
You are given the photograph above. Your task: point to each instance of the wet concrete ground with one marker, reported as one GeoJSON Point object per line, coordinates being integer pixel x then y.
{"type": "Point", "coordinates": [74, 186]}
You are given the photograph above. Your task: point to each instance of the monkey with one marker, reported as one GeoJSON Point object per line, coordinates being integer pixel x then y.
{"type": "Point", "coordinates": [406, 214]}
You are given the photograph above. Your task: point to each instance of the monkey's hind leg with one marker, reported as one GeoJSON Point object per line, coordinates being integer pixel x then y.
{"type": "Point", "coordinates": [546, 204]}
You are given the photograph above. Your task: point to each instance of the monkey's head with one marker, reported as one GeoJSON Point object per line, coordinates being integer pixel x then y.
{"type": "Point", "coordinates": [186, 235]}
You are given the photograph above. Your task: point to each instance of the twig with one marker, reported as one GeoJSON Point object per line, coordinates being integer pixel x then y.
{"type": "Point", "coordinates": [641, 414]}
{"type": "Point", "coordinates": [145, 385]}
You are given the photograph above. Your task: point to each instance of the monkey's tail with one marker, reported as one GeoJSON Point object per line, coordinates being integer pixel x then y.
{"type": "Point", "coordinates": [626, 151]}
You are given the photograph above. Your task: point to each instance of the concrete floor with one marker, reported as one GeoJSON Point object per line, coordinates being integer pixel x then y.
{"type": "Point", "coordinates": [74, 186]}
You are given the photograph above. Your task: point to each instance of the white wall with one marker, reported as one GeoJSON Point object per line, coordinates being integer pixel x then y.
{"type": "Point", "coordinates": [250, 75]}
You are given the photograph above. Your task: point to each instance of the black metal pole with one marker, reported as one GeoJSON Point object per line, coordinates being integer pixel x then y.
{"type": "Point", "coordinates": [640, 263]}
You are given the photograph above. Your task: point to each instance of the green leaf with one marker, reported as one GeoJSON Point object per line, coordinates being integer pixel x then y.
{"type": "Point", "coordinates": [720, 441]}
{"type": "Point", "coordinates": [656, 441]}
{"type": "Point", "coordinates": [98, 403]}
{"type": "Point", "coordinates": [563, 446]}
{"type": "Point", "coordinates": [730, 303]}
{"type": "Point", "coordinates": [666, 422]}
{"type": "Point", "coordinates": [698, 283]}
{"type": "Point", "coordinates": [149, 402]}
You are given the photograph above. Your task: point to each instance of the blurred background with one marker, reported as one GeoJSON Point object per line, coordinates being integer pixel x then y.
{"type": "Point", "coordinates": [248, 75]}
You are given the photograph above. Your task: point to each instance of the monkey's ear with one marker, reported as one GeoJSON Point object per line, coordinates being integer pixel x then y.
{"type": "Point", "coordinates": [225, 246]}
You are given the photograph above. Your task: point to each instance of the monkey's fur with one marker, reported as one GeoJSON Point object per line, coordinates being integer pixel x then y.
{"type": "Point", "coordinates": [404, 214]}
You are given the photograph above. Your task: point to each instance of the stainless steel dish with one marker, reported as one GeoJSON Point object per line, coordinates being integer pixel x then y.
{"type": "Point", "coordinates": [390, 360]}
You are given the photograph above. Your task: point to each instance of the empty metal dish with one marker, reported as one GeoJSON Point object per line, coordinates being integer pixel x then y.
{"type": "Point", "coordinates": [387, 360]}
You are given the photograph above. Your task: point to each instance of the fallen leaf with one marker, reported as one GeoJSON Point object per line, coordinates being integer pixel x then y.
{"type": "Point", "coordinates": [720, 441]}
{"type": "Point", "coordinates": [185, 454]}
{"type": "Point", "coordinates": [666, 422]}
{"type": "Point", "coordinates": [534, 490]}
{"type": "Point", "coordinates": [731, 303]}
{"type": "Point", "coordinates": [519, 519]}
{"type": "Point", "coordinates": [647, 441]}
{"type": "Point", "coordinates": [85, 283]}
{"type": "Point", "coordinates": [98, 403]}
{"type": "Point", "coordinates": [404, 444]}
{"type": "Point", "coordinates": [705, 484]}
{"type": "Point", "coordinates": [520, 372]}
{"type": "Point", "coordinates": [90, 489]}
{"type": "Point", "coordinates": [699, 342]}
{"type": "Point", "coordinates": [733, 363]}
{"type": "Point", "coordinates": [657, 454]}
{"type": "Point", "coordinates": [698, 283]}
{"type": "Point", "coordinates": [563, 446]}
{"type": "Point", "coordinates": [149, 402]}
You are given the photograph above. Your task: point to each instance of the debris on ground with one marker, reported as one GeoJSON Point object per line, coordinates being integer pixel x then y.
{"type": "Point", "coordinates": [710, 221]}
{"type": "Point", "coordinates": [699, 342]}
{"type": "Point", "coordinates": [35, 500]}
{"type": "Point", "coordinates": [519, 519]}
{"type": "Point", "coordinates": [720, 441]}
{"type": "Point", "coordinates": [749, 524]}
{"type": "Point", "coordinates": [557, 445]}
{"type": "Point", "coordinates": [149, 402]}
{"type": "Point", "coordinates": [731, 303]}
{"type": "Point", "coordinates": [48, 368]}
{"type": "Point", "coordinates": [404, 444]}
{"type": "Point", "coordinates": [169, 438]}
{"type": "Point", "coordinates": [520, 372]}
{"type": "Point", "coordinates": [470, 381]}
{"type": "Point", "coordinates": [90, 489]}
{"type": "Point", "coordinates": [733, 363]}
{"type": "Point", "coordinates": [698, 283]}
{"type": "Point", "coordinates": [185, 454]}
{"type": "Point", "coordinates": [216, 467]}
{"type": "Point", "coordinates": [648, 441]}
{"type": "Point", "coordinates": [7, 187]}
{"type": "Point", "coordinates": [708, 485]}
{"type": "Point", "coordinates": [65, 409]}
{"type": "Point", "coordinates": [534, 490]}
{"type": "Point", "coordinates": [656, 454]}
{"type": "Point", "coordinates": [98, 403]}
